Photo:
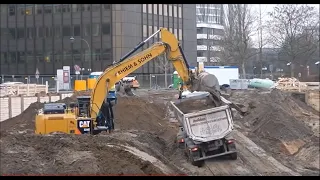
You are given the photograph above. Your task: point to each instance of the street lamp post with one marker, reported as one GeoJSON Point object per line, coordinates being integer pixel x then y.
{"type": "Point", "coordinates": [72, 40]}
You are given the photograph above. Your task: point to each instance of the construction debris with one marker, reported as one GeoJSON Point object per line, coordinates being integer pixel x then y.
{"type": "Point", "coordinates": [290, 84]}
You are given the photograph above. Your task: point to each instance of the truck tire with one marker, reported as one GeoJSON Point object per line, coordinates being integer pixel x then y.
{"type": "Point", "coordinates": [232, 147]}
{"type": "Point", "coordinates": [234, 156]}
{"type": "Point", "coordinates": [193, 162]}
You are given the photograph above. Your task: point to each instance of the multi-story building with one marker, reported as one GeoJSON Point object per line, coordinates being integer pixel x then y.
{"type": "Point", "coordinates": [38, 36]}
{"type": "Point", "coordinates": [210, 29]}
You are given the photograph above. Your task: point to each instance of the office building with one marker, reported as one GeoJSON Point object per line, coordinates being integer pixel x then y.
{"type": "Point", "coordinates": [210, 29]}
{"type": "Point", "coordinates": [38, 36]}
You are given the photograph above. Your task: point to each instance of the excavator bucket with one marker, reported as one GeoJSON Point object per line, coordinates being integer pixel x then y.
{"type": "Point", "coordinates": [124, 89]}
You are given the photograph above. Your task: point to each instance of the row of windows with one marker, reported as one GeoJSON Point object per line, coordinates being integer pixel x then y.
{"type": "Point", "coordinates": [209, 19]}
{"type": "Point", "coordinates": [207, 54]}
{"type": "Point", "coordinates": [208, 42]}
{"type": "Point", "coordinates": [210, 31]}
{"type": "Point", "coordinates": [29, 56]}
{"type": "Point", "coordinates": [30, 9]}
{"type": "Point", "coordinates": [176, 32]}
{"type": "Point", "coordinates": [56, 31]}
{"type": "Point", "coordinates": [208, 12]}
{"type": "Point", "coordinates": [209, 6]}
{"type": "Point", "coordinates": [163, 9]}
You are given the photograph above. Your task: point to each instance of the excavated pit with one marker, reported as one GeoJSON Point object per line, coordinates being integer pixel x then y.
{"type": "Point", "coordinates": [281, 124]}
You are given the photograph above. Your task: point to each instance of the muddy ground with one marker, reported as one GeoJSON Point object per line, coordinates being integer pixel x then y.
{"type": "Point", "coordinates": [143, 142]}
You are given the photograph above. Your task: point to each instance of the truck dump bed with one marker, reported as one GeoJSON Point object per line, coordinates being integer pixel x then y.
{"type": "Point", "coordinates": [203, 122]}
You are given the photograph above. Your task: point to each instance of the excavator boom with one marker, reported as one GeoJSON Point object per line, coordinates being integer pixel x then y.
{"type": "Point", "coordinates": [127, 65]}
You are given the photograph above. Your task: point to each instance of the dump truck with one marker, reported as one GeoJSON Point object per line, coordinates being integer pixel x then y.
{"type": "Point", "coordinates": [205, 134]}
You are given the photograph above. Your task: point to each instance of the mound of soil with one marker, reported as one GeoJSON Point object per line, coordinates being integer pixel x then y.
{"type": "Point", "coordinates": [192, 105]}
{"type": "Point", "coordinates": [27, 153]}
{"type": "Point", "coordinates": [63, 154]}
{"type": "Point", "coordinates": [139, 114]}
{"type": "Point", "coordinates": [278, 122]}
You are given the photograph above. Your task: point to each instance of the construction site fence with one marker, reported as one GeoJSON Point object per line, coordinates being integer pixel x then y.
{"type": "Point", "coordinates": [152, 81]}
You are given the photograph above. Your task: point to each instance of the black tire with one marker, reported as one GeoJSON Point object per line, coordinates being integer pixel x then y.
{"type": "Point", "coordinates": [193, 162]}
{"type": "Point", "coordinates": [234, 156]}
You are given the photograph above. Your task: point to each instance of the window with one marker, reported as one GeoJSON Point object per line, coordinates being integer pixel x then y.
{"type": "Point", "coordinates": [30, 33]}
{"type": "Point", "coordinates": [106, 54]}
{"type": "Point", "coordinates": [20, 33]}
{"type": "Point", "coordinates": [201, 42]}
{"type": "Point", "coordinates": [13, 57]}
{"type": "Point", "coordinates": [21, 57]}
{"type": "Point", "coordinates": [170, 10]}
{"type": "Point", "coordinates": [180, 34]}
{"type": "Point", "coordinates": [96, 55]}
{"type": "Point", "coordinates": [180, 12]}
{"type": "Point", "coordinates": [201, 30]}
{"type": "Point", "coordinates": [144, 8]}
{"type": "Point", "coordinates": [155, 28]}
{"type": "Point", "coordinates": [75, 7]}
{"type": "Point", "coordinates": [38, 8]}
{"type": "Point", "coordinates": [22, 10]}
{"type": "Point", "coordinates": [47, 9]}
{"type": "Point", "coordinates": [105, 28]}
{"type": "Point", "coordinates": [12, 33]}
{"type": "Point", "coordinates": [86, 7]}
{"type": "Point", "coordinates": [95, 7]}
{"type": "Point", "coordinates": [160, 9]}
{"type": "Point", "coordinates": [175, 11]}
{"type": "Point", "coordinates": [66, 8]}
{"type": "Point", "coordinates": [86, 30]}
{"type": "Point", "coordinates": [155, 8]}
{"type": "Point", "coordinates": [150, 30]}
{"type": "Point", "coordinates": [48, 32]}
{"type": "Point", "coordinates": [76, 30]}
{"type": "Point", "coordinates": [57, 8]}
{"type": "Point", "coordinates": [66, 30]}
{"type": "Point", "coordinates": [176, 32]}
{"type": "Point", "coordinates": [57, 31]}
{"type": "Point", "coordinates": [76, 55]}
{"type": "Point", "coordinates": [12, 10]}
{"type": "Point", "coordinates": [107, 6]}
{"type": "Point", "coordinates": [149, 8]}
{"type": "Point", "coordinates": [165, 10]}
{"type": "Point", "coordinates": [145, 31]}
{"type": "Point", "coordinates": [40, 32]}
{"type": "Point", "coordinates": [29, 10]}
{"type": "Point", "coordinates": [95, 29]}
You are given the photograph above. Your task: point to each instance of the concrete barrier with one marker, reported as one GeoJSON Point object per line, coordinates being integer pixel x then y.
{"type": "Point", "coordinates": [13, 106]}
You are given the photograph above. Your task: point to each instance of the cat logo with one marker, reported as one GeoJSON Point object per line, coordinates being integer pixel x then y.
{"type": "Point", "coordinates": [84, 124]}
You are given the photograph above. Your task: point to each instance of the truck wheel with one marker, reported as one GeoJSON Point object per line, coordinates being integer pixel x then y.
{"type": "Point", "coordinates": [234, 156]}
{"type": "Point", "coordinates": [193, 162]}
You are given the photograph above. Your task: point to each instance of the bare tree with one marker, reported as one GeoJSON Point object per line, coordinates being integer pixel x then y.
{"type": "Point", "coordinates": [236, 45]}
{"type": "Point", "coordinates": [164, 65]}
{"type": "Point", "coordinates": [293, 30]}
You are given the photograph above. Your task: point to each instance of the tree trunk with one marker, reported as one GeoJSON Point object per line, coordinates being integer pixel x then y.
{"type": "Point", "coordinates": [243, 71]}
{"type": "Point", "coordinates": [292, 69]}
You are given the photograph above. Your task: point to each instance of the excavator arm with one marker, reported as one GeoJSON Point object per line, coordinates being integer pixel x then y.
{"type": "Point", "coordinates": [127, 65]}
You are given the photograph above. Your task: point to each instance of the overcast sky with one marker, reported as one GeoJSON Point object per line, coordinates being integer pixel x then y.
{"type": "Point", "coordinates": [265, 8]}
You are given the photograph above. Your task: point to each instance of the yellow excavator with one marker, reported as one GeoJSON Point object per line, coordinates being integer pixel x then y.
{"type": "Point", "coordinates": [93, 114]}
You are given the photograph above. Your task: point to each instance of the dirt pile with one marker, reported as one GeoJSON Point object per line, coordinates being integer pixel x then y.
{"type": "Point", "coordinates": [280, 123]}
{"type": "Point", "coordinates": [192, 105]}
{"type": "Point", "coordinates": [27, 153]}
{"type": "Point", "coordinates": [63, 154]}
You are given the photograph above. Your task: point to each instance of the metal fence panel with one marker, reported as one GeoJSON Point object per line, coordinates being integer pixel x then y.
{"type": "Point", "coordinates": [153, 81]}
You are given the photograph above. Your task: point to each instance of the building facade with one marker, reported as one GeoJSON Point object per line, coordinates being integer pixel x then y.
{"type": "Point", "coordinates": [210, 29]}
{"type": "Point", "coordinates": [93, 36]}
